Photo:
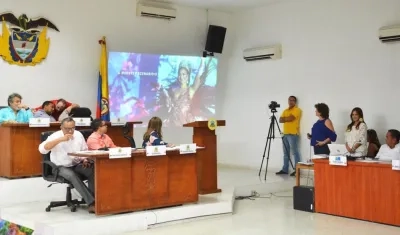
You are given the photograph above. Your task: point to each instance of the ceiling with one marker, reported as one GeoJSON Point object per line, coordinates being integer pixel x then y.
{"type": "Point", "coordinates": [225, 5]}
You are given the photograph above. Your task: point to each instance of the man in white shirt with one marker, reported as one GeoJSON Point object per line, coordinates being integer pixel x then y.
{"type": "Point", "coordinates": [390, 150]}
{"type": "Point", "coordinates": [65, 141]}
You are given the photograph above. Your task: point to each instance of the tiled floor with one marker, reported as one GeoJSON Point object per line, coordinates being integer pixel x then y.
{"type": "Point", "coordinates": [273, 216]}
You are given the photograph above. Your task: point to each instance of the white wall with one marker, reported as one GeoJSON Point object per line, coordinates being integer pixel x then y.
{"type": "Point", "coordinates": [331, 53]}
{"type": "Point", "coordinates": [71, 69]}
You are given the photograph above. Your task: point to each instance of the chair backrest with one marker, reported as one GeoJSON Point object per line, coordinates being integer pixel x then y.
{"type": "Point", "coordinates": [126, 133]}
{"type": "Point", "coordinates": [81, 112]}
{"type": "Point", "coordinates": [2, 107]}
{"type": "Point", "coordinates": [86, 133]}
{"type": "Point", "coordinates": [47, 171]}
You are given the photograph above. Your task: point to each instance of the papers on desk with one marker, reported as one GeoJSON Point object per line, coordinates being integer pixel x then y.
{"type": "Point", "coordinates": [368, 161]}
{"type": "Point", "coordinates": [320, 156]}
{"type": "Point", "coordinates": [172, 148]}
{"type": "Point", "coordinates": [306, 163]}
{"type": "Point", "coordinates": [92, 152]}
{"type": "Point", "coordinates": [396, 165]}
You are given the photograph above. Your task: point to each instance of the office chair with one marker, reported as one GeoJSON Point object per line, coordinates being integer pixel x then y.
{"type": "Point", "coordinates": [50, 173]}
{"type": "Point", "coordinates": [2, 107]}
{"type": "Point", "coordinates": [126, 134]}
{"type": "Point", "coordinates": [81, 112]}
{"type": "Point", "coordinates": [86, 133]}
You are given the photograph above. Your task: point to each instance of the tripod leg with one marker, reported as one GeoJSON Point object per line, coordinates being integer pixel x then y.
{"type": "Point", "coordinates": [271, 135]}
{"type": "Point", "coordinates": [287, 148]}
{"type": "Point", "coordinates": [266, 167]}
{"type": "Point", "coordinates": [265, 149]}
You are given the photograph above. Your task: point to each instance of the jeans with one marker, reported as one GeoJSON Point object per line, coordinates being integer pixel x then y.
{"type": "Point", "coordinates": [75, 175]}
{"type": "Point", "coordinates": [290, 144]}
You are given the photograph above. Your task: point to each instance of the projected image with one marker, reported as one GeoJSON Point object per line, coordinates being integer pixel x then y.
{"type": "Point", "coordinates": [178, 89]}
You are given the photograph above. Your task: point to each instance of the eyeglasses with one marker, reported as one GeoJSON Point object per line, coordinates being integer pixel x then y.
{"type": "Point", "coordinates": [69, 129]}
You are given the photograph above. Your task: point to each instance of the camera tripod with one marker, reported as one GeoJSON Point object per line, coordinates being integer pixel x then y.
{"type": "Point", "coordinates": [270, 137]}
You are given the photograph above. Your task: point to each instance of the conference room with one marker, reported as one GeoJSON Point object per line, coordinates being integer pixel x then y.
{"type": "Point", "coordinates": [209, 70]}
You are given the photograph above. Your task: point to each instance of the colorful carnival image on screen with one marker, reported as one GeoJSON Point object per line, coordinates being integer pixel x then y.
{"type": "Point", "coordinates": [178, 89]}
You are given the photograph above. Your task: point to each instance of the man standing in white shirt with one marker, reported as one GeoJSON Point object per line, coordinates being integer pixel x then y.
{"type": "Point", "coordinates": [65, 141]}
{"type": "Point", "coordinates": [390, 150]}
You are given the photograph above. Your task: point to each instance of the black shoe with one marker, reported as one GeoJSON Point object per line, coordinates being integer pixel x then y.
{"type": "Point", "coordinates": [293, 173]}
{"type": "Point", "coordinates": [281, 173]}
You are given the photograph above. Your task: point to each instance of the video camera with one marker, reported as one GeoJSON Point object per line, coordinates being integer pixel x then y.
{"type": "Point", "coordinates": [273, 105]}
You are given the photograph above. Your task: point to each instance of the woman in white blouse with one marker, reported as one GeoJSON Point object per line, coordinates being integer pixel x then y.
{"type": "Point", "coordinates": [356, 134]}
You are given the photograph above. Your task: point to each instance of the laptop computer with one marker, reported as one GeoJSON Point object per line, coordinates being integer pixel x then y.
{"type": "Point", "coordinates": [337, 149]}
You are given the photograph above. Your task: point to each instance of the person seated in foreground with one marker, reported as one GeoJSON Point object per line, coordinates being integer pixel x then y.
{"type": "Point", "coordinates": [99, 139]}
{"type": "Point", "coordinates": [46, 111]}
{"type": "Point", "coordinates": [390, 150]}
{"type": "Point", "coordinates": [16, 112]}
{"type": "Point", "coordinates": [61, 105]}
{"type": "Point", "coordinates": [373, 143]}
{"type": "Point", "coordinates": [76, 169]}
{"type": "Point", "coordinates": [153, 135]}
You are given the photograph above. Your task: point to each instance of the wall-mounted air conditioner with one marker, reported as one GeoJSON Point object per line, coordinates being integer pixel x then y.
{"type": "Point", "coordinates": [389, 33]}
{"type": "Point", "coordinates": [155, 11]}
{"type": "Point", "coordinates": [263, 53]}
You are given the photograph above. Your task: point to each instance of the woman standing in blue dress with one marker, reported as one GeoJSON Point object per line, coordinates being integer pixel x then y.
{"type": "Point", "coordinates": [322, 132]}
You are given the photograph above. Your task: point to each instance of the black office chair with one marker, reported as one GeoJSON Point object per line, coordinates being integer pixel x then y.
{"type": "Point", "coordinates": [81, 112]}
{"type": "Point", "coordinates": [86, 133]}
{"type": "Point", "coordinates": [126, 133]}
{"type": "Point", "coordinates": [2, 107]}
{"type": "Point", "coordinates": [50, 173]}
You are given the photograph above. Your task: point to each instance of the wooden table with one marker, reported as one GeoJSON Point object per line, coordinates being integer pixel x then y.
{"type": "Point", "coordinates": [19, 154]}
{"type": "Point", "coordinates": [300, 166]}
{"type": "Point", "coordinates": [365, 191]}
{"type": "Point", "coordinates": [140, 182]}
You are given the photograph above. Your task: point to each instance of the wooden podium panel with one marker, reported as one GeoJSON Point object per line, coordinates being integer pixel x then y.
{"type": "Point", "coordinates": [140, 182]}
{"type": "Point", "coordinates": [19, 154]}
{"type": "Point", "coordinates": [207, 159]}
{"type": "Point", "coordinates": [365, 191]}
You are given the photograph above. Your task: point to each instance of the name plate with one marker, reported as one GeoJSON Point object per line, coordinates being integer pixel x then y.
{"type": "Point", "coordinates": [160, 150]}
{"type": "Point", "coordinates": [338, 160]}
{"type": "Point", "coordinates": [187, 148]}
{"type": "Point", "coordinates": [39, 122]}
{"type": "Point", "coordinates": [396, 165]}
{"type": "Point", "coordinates": [115, 153]}
{"type": "Point", "coordinates": [118, 121]}
{"type": "Point", "coordinates": [82, 121]}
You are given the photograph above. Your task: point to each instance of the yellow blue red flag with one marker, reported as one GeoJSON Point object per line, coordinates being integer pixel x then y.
{"type": "Point", "coordinates": [102, 97]}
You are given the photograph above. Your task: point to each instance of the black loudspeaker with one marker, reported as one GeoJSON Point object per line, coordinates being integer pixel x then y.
{"type": "Point", "coordinates": [303, 198]}
{"type": "Point", "coordinates": [215, 39]}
